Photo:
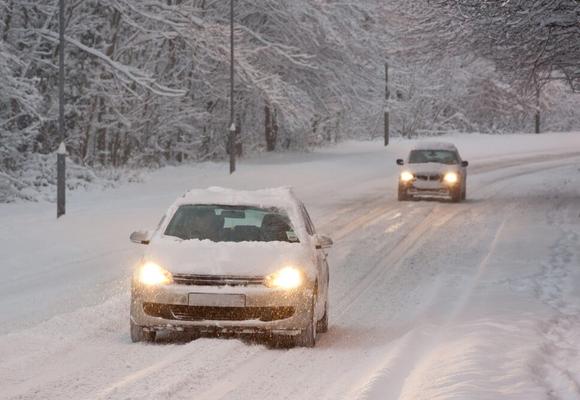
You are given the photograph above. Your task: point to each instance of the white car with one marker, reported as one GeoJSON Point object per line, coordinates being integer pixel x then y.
{"type": "Point", "coordinates": [433, 169]}
{"type": "Point", "coordinates": [234, 262]}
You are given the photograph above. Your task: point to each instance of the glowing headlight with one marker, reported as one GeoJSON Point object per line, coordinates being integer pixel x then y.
{"type": "Point", "coordinates": [406, 176]}
{"type": "Point", "coordinates": [152, 274]}
{"type": "Point", "coordinates": [286, 278]}
{"type": "Point", "coordinates": [451, 177]}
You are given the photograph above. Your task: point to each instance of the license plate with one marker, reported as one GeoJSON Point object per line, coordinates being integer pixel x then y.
{"type": "Point", "coordinates": [428, 185]}
{"type": "Point", "coordinates": [217, 300]}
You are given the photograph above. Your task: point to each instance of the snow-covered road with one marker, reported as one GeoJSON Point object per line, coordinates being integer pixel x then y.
{"type": "Point", "coordinates": [429, 300]}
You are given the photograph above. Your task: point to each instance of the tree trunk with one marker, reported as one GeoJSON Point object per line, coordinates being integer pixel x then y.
{"type": "Point", "coordinates": [116, 148]}
{"type": "Point", "coordinates": [88, 146]}
{"type": "Point", "coordinates": [115, 26]}
{"type": "Point", "coordinates": [238, 136]}
{"type": "Point", "coordinates": [269, 129]}
{"type": "Point", "coordinates": [7, 21]}
{"type": "Point", "coordinates": [274, 126]}
{"type": "Point", "coordinates": [101, 133]}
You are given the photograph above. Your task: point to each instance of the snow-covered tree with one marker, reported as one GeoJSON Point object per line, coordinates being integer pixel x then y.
{"type": "Point", "coordinates": [148, 81]}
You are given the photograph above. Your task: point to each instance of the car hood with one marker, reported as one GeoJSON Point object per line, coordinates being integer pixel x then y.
{"type": "Point", "coordinates": [431, 168]}
{"type": "Point", "coordinates": [228, 258]}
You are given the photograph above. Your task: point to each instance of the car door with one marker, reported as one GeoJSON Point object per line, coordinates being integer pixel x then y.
{"type": "Point", "coordinates": [321, 262]}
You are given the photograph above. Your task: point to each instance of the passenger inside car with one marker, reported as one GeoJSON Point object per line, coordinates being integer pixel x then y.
{"type": "Point", "coordinates": [231, 224]}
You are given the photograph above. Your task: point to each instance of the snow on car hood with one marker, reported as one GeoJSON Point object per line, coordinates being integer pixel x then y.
{"type": "Point", "coordinates": [431, 168]}
{"type": "Point", "coordinates": [227, 258]}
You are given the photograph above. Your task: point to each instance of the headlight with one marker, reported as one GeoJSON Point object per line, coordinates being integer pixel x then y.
{"type": "Point", "coordinates": [151, 274]}
{"type": "Point", "coordinates": [451, 177]}
{"type": "Point", "coordinates": [286, 278]}
{"type": "Point", "coordinates": [406, 176]}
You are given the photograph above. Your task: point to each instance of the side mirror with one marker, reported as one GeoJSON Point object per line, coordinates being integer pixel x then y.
{"type": "Point", "coordinates": [400, 161]}
{"type": "Point", "coordinates": [465, 163]}
{"type": "Point", "coordinates": [323, 242]}
{"type": "Point", "coordinates": [140, 237]}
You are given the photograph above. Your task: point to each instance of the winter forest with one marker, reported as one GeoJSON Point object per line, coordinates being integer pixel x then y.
{"type": "Point", "coordinates": [147, 82]}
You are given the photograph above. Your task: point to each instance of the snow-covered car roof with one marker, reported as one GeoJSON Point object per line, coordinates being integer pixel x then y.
{"type": "Point", "coordinates": [435, 146]}
{"type": "Point", "coordinates": [282, 197]}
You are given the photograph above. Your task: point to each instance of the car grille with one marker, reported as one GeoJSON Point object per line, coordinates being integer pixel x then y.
{"type": "Point", "coordinates": [195, 313]}
{"type": "Point", "coordinates": [216, 280]}
{"type": "Point", "coordinates": [432, 177]}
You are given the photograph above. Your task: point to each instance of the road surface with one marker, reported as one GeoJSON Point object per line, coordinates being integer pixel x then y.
{"type": "Point", "coordinates": [429, 299]}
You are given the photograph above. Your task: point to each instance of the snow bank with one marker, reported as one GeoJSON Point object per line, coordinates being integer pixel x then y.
{"type": "Point", "coordinates": [36, 181]}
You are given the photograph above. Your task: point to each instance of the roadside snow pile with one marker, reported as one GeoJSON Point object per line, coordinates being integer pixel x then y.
{"type": "Point", "coordinates": [36, 180]}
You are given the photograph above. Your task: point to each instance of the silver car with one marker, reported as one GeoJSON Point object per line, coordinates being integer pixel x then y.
{"type": "Point", "coordinates": [433, 169]}
{"type": "Point", "coordinates": [235, 262]}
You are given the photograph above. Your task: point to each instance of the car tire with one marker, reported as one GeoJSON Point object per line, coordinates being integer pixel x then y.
{"type": "Point", "coordinates": [322, 324]}
{"type": "Point", "coordinates": [140, 335]}
{"type": "Point", "coordinates": [464, 191]}
{"type": "Point", "coordinates": [456, 195]}
{"type": "Point", "coordinates": [402, 194]}
{"type": "Point", "coordinates": [307, 338]}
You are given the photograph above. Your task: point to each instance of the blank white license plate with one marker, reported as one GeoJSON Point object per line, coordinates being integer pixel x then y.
{"type": "Point", "coordinates": [217, 300]}
{"type": "Point", "coordinates": [428, 185]}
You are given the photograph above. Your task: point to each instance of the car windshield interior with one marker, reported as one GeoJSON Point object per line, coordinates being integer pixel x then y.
{"type": "Point", "coordinates": [433, 156]}
{"type": "Point", "coordinates": [220, 223]}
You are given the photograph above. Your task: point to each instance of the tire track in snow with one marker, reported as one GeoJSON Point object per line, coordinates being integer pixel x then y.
{"type": "Point", "coordinates": [391, 373]}
{"type": "Point", "coordinates": [395, 255]}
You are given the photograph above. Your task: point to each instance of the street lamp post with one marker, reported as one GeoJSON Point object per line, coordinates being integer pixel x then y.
{"type": "Point", "coordinates": [386, 111]}
{"type": "Point", "coordinates": [232, 132]}
{"type": "Point", "coordinates": [60, 187]}
{"type": "Point", "coordinates": [61, 154]}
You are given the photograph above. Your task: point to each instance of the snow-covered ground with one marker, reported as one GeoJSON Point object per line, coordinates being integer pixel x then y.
{"type": "Point", "coordinates": [429, 300]}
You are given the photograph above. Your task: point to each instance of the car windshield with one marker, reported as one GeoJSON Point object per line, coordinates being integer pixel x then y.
{"type": "Point", "coordinates": [433, 156]}
{"type": "Point", "coordinates": [220, 223]}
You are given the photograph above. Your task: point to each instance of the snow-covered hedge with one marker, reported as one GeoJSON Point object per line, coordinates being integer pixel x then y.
{"type": "Point", "coordinates": [36, 180]}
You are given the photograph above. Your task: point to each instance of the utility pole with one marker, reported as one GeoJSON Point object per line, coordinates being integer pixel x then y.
{"type": "Point", "coordinates": [232, 133]}
{"type": "Point", "coordinates": [537, 118]}
{"type": "Point", "coordinates": [61, 153]}
{"type": "Point", "coordinates": [387, 96]}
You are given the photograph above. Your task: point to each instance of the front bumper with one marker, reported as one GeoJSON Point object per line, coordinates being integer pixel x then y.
{"type": "Point", "coordinates": [429, 188]}
{"type": "Point", "coordinates": [265, 310]}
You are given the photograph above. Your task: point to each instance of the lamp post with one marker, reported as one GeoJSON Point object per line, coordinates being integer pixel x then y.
{"type": "Point", "coordinates": [537, 119]}
{"type": "Point", "coordinates": [386, 111]}
{"type": "Point", "coordinates": [61, 154]}
{"type": "Point", "coordinates": [60, 186]}
{"type": "Point", "coordinates": [232, 132]}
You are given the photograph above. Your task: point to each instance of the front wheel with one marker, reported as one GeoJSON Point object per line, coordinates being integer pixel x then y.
{"type": "Point", "coordinates": [456, 195]}
{"type": "Point", "coordinates": [322, 324]}
{"type": "Point", "coordinates": [140, 335]}
{"type": "Point", "coordinates": [402, 194]}
{"type": "Point", "coordinates": [307, 338]}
